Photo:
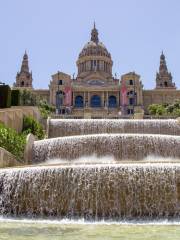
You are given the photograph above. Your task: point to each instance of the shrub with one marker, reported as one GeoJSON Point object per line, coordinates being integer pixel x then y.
{"type": "Point", "coordinates": [5, 96]}
{"type": "Point", "coordinates": [174, 109]}
{"type": "Point", "coordinates": [45, 109]}
{"type": "Point", "coordinates": [157, 109]}
{"type": "Point", "coordinates": [12, 141]}
{"type": "Point", "coordinates": [30, 125]}
{"type": "Point", "coordinates": [27, 98]}
{"type": "Point", "coordinates": [15, 97]}
{"type": "Point", "coordinates": [171, 110]}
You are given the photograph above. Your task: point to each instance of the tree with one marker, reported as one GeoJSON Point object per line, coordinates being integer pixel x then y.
{"type": "Point", "coordinates": [156, 109]}
{"type": "Point", "coordinates": [171, 110]}
{"type": "Point", "coordinates": [45, 109]}
{"type": "Point", "coordinates": [27, 98]}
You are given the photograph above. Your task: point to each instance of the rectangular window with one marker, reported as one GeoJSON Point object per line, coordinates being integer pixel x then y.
{"type": "Point", "coordinates": [60, 82]}
{"type": "Point", "coordinates": [131, 82]}
{"type": "Point", "coordinates": [131, 101]}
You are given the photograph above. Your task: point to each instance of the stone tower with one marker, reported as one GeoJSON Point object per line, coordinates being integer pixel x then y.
{"type": "Point", "coordinates": [24, 77]}
{"type": "Point", "coordinates": [163, 77]}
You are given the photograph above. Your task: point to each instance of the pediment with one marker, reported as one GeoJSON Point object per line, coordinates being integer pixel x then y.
{"type": "Point", "coordinates": [95, 75]}
{"type": "Point", "coordinates": [95, 82]}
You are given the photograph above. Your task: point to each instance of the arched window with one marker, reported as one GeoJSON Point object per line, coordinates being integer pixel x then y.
{"type": "Point", "coordinates": [95, 101]}
{"type": "Point", "coordinates": [22, 83]}
{"type": "Point", "coordinates": [112, 102]}
{"type": "Point", "coordinates": [79, 102]}
{"type": "Point", "coordinates": [165, 84]}
{"type": "Point", "coordinates": [59, 98]}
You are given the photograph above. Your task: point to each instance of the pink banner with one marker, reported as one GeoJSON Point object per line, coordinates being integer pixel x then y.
{"type": "Point", "coordinates": [124, 99]}
{"type": "Point", "coordinates": [68, 96]}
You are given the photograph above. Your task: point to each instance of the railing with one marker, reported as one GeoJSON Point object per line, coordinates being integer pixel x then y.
{"type": "Point", "coordinates": [61, 116]}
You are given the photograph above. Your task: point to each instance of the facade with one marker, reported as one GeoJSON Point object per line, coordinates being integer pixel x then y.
{"type": "Point", "coordinates": [95, 92]}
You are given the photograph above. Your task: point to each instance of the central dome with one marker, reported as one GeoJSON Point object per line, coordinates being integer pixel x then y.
{"type": "Point", "coordinates": [94, 47]}
{"type": "Point", "coordinates": [94, 57]}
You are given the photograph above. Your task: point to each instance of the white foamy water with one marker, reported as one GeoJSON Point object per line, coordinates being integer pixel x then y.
{"type": "Point", "coordinates": [93, 159]}
{"type": "Point", "coordinates": [85, 222]}
{"type": "Point", "coordinates": [71, 127]}
{"type": "Point", "coordinates": [111, 192]}
{"type": "Point", "coordinates": [120, 146]}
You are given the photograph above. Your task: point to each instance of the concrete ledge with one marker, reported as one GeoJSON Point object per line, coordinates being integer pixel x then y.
{"type": "Point", "coordinates": [48, 126]}
{"type": "Point", "coordinates": [13, 117]}
{"type": "Point", "coordinates": [178, 120]}
{"type": "Point", "coordinates": [7, 159]}
{"type": "Point", "coordinates": [28, 148]}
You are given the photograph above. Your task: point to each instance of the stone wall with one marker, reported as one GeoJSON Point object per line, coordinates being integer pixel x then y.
{"type": "Point", "coordinates": [159, 96]}
{"type": "Point", "coordinates": [13, 117]}
{"type": "Point", "coordinates": [7, 159]}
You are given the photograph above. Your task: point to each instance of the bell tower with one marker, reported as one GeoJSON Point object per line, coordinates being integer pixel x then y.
{"type": "Point", "coordinates": [24, 77]}
{"type": "Point", "coordinates": [163, 77]}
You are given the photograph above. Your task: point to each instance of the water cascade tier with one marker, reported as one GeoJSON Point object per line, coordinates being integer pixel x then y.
{"type": "Point", "coordinates": [93, 192]}
{"type": "Point", "coordinates": [120, 146]}
{"type": "Point", "coordinates": [70, 127]}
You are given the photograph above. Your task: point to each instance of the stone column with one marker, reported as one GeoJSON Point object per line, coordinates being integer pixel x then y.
{"type": "Point", "coordinates": [73, 99]}
{"type": "Point", "coordinates": [107, 99]}
{"type": "Point", "coordinates": [84, 99]}
{"type": "Point", "coordinates": [117, 99]}
{"type": "Point", "coordinates": [89, 99]}
{"type": "Point", "coordinates": [102, 99]}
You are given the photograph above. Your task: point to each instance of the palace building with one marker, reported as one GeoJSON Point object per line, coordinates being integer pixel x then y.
{"type": "Point", "coordinates": [95, 92]}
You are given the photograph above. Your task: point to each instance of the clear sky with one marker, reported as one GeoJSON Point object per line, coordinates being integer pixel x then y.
{"type": "Point", "coordinates": [54, 31]}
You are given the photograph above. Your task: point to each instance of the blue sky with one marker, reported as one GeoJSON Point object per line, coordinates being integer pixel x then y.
{"type": "Point", "coordinates": [54, 31]}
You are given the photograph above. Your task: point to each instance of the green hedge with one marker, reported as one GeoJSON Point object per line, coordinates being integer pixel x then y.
{"type": "Point", "coordinates": [170, 110]}
{"type": "Point", "coordinates": [15, 97]}
{"type": "Point", "coordinates": [5, 96]}
{"type": "Point", "coordinates": [12, 141]}
{"type": "Point", "coordinates": [30, 125]}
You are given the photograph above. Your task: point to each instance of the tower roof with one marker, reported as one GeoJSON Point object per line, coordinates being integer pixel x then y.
{"type": "Point", "coordinates": [163, 67]}
{"type": "Point", "coordinates": [94, 34]}
{"type": "Point", "coordinates": [25, 64]}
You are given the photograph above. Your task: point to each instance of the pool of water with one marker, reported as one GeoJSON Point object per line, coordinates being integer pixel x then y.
{"type": "Point", "coordinates": [37, 230]}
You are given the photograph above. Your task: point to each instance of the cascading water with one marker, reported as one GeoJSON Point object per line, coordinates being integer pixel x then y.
{"type": "Point", "coordinates": [120, 146]}
{"type": "Point", "coordinates": [71, 127]}
{"type": "Point", "coordinates": [92, 192]}
{"type": "Point", "coordinates": [113, 190]}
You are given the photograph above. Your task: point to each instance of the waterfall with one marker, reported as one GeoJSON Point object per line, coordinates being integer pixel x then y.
{"type": "Point", "coordinates": [112, 183]}
{"type": "Point", "coordinates": [72, 127]}
{"type": "Point", "coordinates": [93, 192]}
{"type": "Point", "coordinates": [120, 146]}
